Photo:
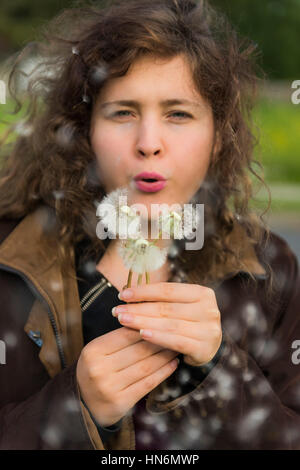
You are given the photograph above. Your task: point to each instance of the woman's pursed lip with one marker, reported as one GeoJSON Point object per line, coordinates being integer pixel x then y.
{"type": "Point", "coordinates": [148, 187]}
{"type": "Point", "coordinates": [149, 175]}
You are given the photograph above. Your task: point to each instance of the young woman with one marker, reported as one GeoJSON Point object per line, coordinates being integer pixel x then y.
{"type": "Point", "coordinates": [162, 86]}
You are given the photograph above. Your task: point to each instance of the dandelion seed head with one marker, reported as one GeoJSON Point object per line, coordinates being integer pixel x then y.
{"type": "Point", "coordinates": [141, 246]}
{"type": "Point", "coordinates": [127, 210]}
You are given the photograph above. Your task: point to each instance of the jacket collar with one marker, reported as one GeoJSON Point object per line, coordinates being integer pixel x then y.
{"type": "Point", "coordinates": [31, 249]}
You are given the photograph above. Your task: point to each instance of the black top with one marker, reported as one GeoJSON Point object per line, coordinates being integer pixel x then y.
{"type": "Point", "coordinates": [98, 320]}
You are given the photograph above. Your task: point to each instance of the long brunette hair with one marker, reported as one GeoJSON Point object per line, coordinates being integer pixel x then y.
{"type": "Point", "coordinates": [52, 162]}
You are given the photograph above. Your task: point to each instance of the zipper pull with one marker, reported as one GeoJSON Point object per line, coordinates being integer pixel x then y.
{"type": "Point", "coordinates": [36, 337]}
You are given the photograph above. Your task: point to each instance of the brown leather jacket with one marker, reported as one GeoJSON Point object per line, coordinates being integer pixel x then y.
{"type": "Point", "coordinates": [249, 400]}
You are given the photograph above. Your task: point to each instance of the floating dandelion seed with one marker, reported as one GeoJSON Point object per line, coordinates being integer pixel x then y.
{"type": "Point", "coordinates": [184, 376]}
{"type": "Point", "coordinates": [98, 74]}
{"type": "Point", "coordinates": [250, 424]}
{"type": "Point", "coordinates": [64, 135]}
{"type": "Point", "coordinates": [10, 339]}
{"type": "Point", "coordinates": [75, 50]}
{"type": "Point", "coordinates": [145, 437]}
{"type": "Point", "coordinates": [52, 436]}
{"type": "Point", "coordinates": [23, 129]}
{"type": "Point", "coordinates": [58, 194]}
{"type": "Point", "coordinates": [86, 99]}
{"type": "Point", "coordinates": [56, 286]}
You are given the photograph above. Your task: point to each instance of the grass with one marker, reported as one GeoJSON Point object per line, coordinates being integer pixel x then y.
{"type": "Point", "coordinates": [279, 125]}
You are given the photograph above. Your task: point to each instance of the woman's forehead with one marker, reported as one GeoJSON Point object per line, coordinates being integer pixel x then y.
{"type": "Point", "coordinates": [159, 79]}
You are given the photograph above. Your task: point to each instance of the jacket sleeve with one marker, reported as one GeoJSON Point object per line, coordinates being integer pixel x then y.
{"type": "Point", "coordinates": [104, 432]}
{"type": "Point", "coordinates": [50, 419]}
{"type": "Point", "coordinates": [248, 401]}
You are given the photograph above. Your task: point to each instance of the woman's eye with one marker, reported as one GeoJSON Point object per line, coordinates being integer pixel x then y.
{"type": "Point", "coordinates": [119, 113]}
{"type": "Point", "coordinates": [182, 113]}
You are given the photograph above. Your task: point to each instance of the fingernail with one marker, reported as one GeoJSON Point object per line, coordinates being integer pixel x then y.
{"type": "Point", "coordinates": [125, 294]}
{"type": "Point", "coordinates": [118, 309]}
{"type": "Point", "coordinates": [146, 333]}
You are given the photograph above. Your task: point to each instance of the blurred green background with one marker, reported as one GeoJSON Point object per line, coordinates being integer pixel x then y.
{"type": "Point", "coordinates": [274, 25]}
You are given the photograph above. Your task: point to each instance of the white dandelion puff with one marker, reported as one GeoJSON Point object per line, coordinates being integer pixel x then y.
{"type": "Point", "coordinates": [141, 256]}
{"type": "Point", "coordinates": [116, 215]}
{"type": "Point", "coordinates": [138, 254]}
{"type": "Point", "coordinates": [171, 224]}
{"type": "Point", "coordinates": [174, 225]}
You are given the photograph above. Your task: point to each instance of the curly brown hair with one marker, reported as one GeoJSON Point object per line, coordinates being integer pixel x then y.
{"type": "Point", "coordinates": [78, 51]}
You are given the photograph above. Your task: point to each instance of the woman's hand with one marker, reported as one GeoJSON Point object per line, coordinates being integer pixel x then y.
{"type": "Point", "coordinates": [116, 370]}
{"type": "Point", "coordinates": [181, 317]}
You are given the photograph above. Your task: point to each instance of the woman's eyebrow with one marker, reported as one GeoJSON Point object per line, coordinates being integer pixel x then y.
{"type": "Point", "coordinates": [164, 103]}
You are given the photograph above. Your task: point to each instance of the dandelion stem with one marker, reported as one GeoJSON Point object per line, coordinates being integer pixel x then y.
{"type": "Point", "coordinates": [147, 278]}
{"type": "Point", "coordinates": [140, 279]}
{"type": "Point", "coordinates": [129, 278]}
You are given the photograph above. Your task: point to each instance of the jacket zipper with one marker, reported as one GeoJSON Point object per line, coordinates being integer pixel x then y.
{"type": "Point", "coordinates": [37, 293]}
{"type": "Point", "coordinates": [94, 293]}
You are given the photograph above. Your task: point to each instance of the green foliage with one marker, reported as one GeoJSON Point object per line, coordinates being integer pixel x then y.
{"type": "Point", "coordinates": [279, 130]}
{"type": "Point", "coordinates": [274, 25]}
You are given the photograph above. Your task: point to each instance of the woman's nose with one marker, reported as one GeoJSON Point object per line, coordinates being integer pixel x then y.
{"type": "Point", "coordinates": [148, 153]}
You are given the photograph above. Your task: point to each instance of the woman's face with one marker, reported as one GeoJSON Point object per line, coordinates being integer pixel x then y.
{"type": "Point", "coordinates": [149, 134]}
